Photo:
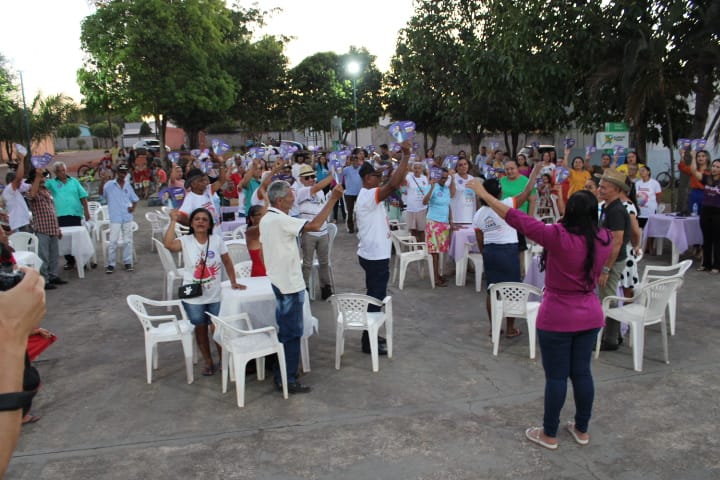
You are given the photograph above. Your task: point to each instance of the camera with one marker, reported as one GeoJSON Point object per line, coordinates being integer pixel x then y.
{"type": "Point", "coordinates": [9, 278]}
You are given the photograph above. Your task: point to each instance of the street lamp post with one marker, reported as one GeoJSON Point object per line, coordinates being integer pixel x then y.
{"type": "Point", "coordinates": [353, 68]}
{"type": "Point", "coordinates": [25, 112]}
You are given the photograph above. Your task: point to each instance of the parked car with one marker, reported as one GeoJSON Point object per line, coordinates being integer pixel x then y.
{"type": "Point", "coordinates": [149, 144]}
{"type": "Point", "coordinates": [527, 150]}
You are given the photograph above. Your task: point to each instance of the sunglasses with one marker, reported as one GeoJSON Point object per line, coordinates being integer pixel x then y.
{"type": "Point", "coordinates": [309, 177]}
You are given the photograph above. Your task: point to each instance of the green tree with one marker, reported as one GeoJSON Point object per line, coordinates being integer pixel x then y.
{"type": "Point", "coordinates": [108, 133]}
{"type": "Point", "coordinates": [166, 58]}
{"type": "Point", "coordinates": [145, 130]}
{"type": "Point", "coordinates": [321, 87]}
{"type": "Point", "coordinates": [68, 131]}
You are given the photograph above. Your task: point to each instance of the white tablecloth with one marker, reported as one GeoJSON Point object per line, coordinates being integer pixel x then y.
{"type": "Point", "coordinates": [27, 259]}
{"type": "Point", "coordinates": [258, 301]}
{"type": "Point", "coordinates": [76, 241]}
{"type": "Point", "coordinates": [681, 231]}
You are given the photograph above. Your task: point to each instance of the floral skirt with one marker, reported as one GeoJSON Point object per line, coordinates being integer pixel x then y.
{"type": "Point", "coordinates": [437, 236]}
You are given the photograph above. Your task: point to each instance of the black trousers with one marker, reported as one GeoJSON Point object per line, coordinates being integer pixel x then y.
{"type": "Point", "coordinates": [710, 226]}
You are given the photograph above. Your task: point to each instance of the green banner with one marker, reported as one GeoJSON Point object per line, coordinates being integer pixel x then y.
{"type": "Point", "coordinates": [616, 127]}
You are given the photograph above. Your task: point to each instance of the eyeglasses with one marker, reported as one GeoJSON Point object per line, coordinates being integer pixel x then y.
{"type": "Point", "coordinates": [309, 177]}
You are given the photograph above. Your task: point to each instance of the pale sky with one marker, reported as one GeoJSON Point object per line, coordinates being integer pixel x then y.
{"type": "Point", "coordinates": [50, 54]}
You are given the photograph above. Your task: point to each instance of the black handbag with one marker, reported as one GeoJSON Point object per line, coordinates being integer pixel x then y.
{"type": "Point", "coordinates": [193, 290]}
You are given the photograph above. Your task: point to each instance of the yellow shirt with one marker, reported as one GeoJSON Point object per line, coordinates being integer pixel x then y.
{"type": "Point", "coordinates": [624, 169]}
{"type": "Point", "coordinates": [577, 180]}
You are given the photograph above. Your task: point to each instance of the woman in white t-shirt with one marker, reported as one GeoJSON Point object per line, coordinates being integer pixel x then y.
{"type": "Point", "coordinates": [498, 241]}
{"type": "Point", "coordinates": [416, 185]}
{"type": "Point", "coordinates": [203, 255]}
{"type": "Point", "coordinates": [463, 205]}
{"type": "Point", "coordinates": [648, 191]}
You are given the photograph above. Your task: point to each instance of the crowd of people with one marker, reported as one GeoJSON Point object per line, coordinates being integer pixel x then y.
{"type": "Point", "coordinates": [591, 243]}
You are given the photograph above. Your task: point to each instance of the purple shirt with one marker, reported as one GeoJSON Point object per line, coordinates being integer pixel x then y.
{"type": "Point", "coordinates": [569, 304]}
{"type": "Point", "coordinates": [711, 194]}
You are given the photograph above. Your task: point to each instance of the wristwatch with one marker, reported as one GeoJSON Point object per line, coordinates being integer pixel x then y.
{"type": "Point", "coordinates": [15, 401]}
{"type": "Point", "coordinates": [605, 269]}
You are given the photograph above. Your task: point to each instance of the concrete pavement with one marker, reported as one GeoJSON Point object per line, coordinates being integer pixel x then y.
{"type": "Point", "coordinates": [442, 408]}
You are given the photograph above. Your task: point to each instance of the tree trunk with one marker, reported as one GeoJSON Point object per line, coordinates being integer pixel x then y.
{"type": "Point", "coordinates": [704, 93]}
{"type": "Point", "coordinates": [671, 148]}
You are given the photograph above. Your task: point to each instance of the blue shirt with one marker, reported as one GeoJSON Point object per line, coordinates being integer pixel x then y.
{"type": "Point", "coordinates": [119, 199]}
{"type": "Point", "coordinates": [439, 205]}
{"type": "Point", "coordinates": [353, 182]}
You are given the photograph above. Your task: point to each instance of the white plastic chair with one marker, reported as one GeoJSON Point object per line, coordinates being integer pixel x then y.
{"type": "Point", "coordinates": [510, 299]}
{"type": "Point", "coordinates": [305, 347]}
{"type": "Point", "coordinates": [477, 260]}
{"type": "Point", "coordinates": [315, 272]}
{"type": "Point", "coordinates": [407, 251]}
{"type": "Point", "coordinates": [24, 241]}
{"type": "Point", "coordinates": [351, 314]}
{"type": "Point", "coordinates": [237, 249]}
{"type": "Point", "coordinates": [172, 272]}
{"type": "Point", "coordinates": [239, 233]}
{"type": "Point", "coordinates": [105, 235]}
{"type": "Point", "coordinates": [647, 308]}
{"type": "Point", "coordinates": [653, 272]}
{"type": "Point", "coordinates": [99, 219]}
{"type": "Point", "coordinates": [157, 226]}
{"type": "Point", "coordinates": [243, 269]}
{"type": "Point", "coordinates": [242, 343]}
{"type": "Point", "coordinates": [180, 230]}
{"type": "Point", "coordinates": [93, 209]}
{"type": "Point", "coordinates": [169, 329]}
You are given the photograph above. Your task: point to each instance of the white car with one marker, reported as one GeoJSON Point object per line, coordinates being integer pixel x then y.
{"type": "Point", "coordinates": [150, 144]}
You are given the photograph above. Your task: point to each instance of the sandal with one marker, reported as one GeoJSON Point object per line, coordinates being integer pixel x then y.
{"type": "Point", "coordinates": [30, 418]}
{"type": "Point", "coordinates": [209, 371]}
{"type": "Point", "coordinates": [534, 434]}
{"type": "Point", "coordinates": [570, 427]}
{"type": "Point", "coordinates": [513, 333]}
{"type": "Point", "coordinates": [702, 269]}
{"type": "Point", "coordinates": [441, 282]}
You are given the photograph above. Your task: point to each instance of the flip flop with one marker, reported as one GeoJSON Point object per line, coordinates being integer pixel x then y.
{"type": "Point", "coordinates": [513, 333]}
{"type": "Point", "coordinates": [30, 418]}
{"type": "Point", "coordinates": [533, 434]}
{"type": "Point", "coordinates": [209, 371]}
{"type": "Point", "coordinates": [570, 427]}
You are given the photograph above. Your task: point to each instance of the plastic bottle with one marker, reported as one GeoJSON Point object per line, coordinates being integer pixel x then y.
{"type": "Point", "coordinates": [695, 210]}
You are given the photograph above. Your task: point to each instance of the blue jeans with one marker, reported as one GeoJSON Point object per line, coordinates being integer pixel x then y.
{"type": "Point", "coordinates": [48, 253]}
{"type": "Point", "coordinates": [289, 317]}
{"type": "Point", "coordinates": [196, 312]}
{"type": "Point", "coordinates": [567, 354]}
{"type": "Point", "coordinates": [377, 274]}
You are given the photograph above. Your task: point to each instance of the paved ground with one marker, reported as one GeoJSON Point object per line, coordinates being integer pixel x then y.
{"type": "Point", "coordinates": [442, 408]}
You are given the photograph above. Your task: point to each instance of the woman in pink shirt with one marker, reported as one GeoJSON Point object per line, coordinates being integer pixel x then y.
{"type": "Point", "coordinates": [570, 314]}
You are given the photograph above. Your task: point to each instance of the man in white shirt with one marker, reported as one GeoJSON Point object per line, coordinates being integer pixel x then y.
{"type": "Point", "coordinates": [15, 204]}
{"type": "Point", "coordinates": [278, 235]}
{"type": "Point", "coordinates": [374, 232]}
{"type": "Point", "coordinates": [415, 209]}
{"type": "Point", "coordinates": [309, 201]}
{"type": "Point", "coordinates": [200, 194]}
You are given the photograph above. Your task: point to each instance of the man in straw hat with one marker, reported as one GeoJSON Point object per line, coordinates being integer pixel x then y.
{"type": "Point", "coordinates": [616, 219]}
